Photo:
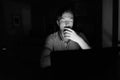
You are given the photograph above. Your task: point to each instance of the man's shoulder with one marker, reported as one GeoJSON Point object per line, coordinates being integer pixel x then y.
{"type": "Point", "coordinates": [53, 35]}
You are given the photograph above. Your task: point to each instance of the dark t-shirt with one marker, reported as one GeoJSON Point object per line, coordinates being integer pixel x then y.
{"type": "Point", "coordinates": [54, 42]}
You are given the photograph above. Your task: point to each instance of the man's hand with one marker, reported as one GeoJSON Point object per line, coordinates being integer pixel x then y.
{"type": "Point", "coordinates": [72, 35]}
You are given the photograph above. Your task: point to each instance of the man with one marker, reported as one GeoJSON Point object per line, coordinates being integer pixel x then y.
{"type": "Point", "coordinates": [65, 39]}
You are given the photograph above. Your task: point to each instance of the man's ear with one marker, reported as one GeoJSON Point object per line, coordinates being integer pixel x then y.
{"type": "Point", "coordinates": [57, 22]}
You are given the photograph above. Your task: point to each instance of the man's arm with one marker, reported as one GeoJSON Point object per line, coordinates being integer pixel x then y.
{"type": "Point", "coordinates": [72, 35]}
{"type": "Point", "coordinates": [83, 44]}
{"type": "Point", "coordinates": [45, 59]}
{"type": "Point", "coordinates": [45, 56]}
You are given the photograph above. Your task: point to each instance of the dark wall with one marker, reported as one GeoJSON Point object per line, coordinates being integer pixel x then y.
{"type": "Point", "coordinates": [14, 25]}
{"type": "Point", "coordinates": [1, 23]}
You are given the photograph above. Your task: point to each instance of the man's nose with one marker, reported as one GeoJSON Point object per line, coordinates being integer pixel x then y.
{"type": "Point", "coordinates": [66, 22]}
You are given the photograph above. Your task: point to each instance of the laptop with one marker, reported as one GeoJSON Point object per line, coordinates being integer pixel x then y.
{"type": "Point", "coordinates": [79, 63]}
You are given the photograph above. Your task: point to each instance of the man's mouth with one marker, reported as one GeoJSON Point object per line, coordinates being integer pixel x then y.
{"type": "Point", "coordinates": [65, 28]}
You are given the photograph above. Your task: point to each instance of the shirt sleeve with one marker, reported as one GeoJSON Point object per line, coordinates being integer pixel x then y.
{"type": "Point", "coordinates": [49, 43]}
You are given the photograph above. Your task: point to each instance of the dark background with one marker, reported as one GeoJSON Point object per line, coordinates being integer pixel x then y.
{"type": "Point", "coordinates": [42, 21]}
{"type": "Point", "coordinates": [21, 46]}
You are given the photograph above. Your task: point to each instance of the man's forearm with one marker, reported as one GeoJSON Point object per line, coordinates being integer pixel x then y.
{"type": "Point", "coordinates": [45, 61]}
{"type": "Point", "coordinates": [83, 44]}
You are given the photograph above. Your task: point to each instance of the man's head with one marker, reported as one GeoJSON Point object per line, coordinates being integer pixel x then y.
{"type": "Point", "coordinates": [65, 20]}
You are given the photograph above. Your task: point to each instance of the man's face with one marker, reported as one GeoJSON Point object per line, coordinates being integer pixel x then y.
{"type": "Point", "coordinates": [66, 20]}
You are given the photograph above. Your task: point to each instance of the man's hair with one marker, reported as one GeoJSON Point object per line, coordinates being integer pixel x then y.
{"type": "Point", "coordinates": [66, 11]}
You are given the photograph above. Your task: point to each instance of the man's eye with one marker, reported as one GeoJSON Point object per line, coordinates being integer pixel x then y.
{"type": "Point", "coordinates": [67, 21]}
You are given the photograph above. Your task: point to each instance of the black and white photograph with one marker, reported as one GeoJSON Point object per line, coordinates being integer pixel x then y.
{"type": "Point", "coordinates": [59, 39]}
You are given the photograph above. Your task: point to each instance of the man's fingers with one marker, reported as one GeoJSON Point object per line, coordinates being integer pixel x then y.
{"type": "Point", "coordinates": [67, 32]}
{"type": "Point", "coordinates": [66, 35]}
{"type": "Point", "coordinates": [68, 29]}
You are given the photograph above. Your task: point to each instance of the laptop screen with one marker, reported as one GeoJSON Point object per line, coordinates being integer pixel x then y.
{"type": "Point", "coordinates": [90, 62]}
{"type": "Point", "coordinates": [72, 59]}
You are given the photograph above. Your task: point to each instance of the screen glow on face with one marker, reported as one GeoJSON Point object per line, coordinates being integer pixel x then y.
{"type": "Point", "coordinates": [66, 20]}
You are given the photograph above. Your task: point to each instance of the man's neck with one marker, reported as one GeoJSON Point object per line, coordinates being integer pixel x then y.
{"type": "Point", "coordinates": [62, 37]}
